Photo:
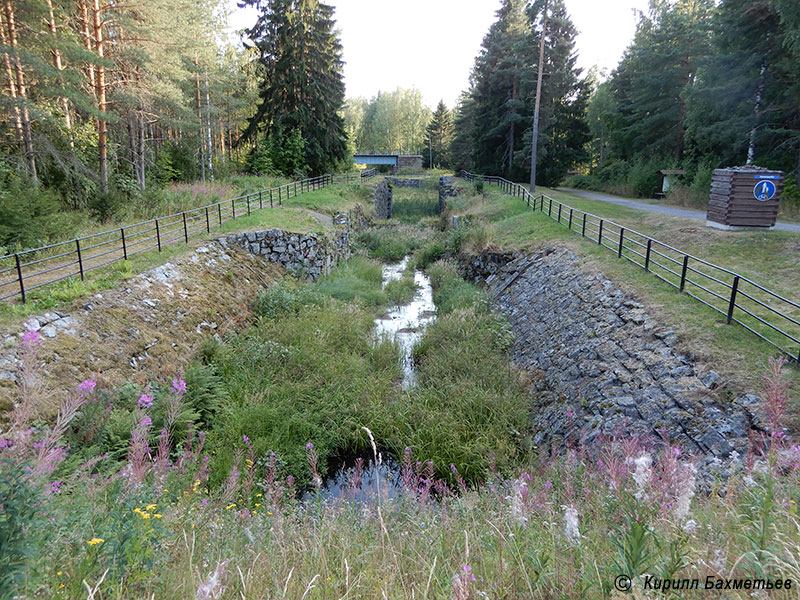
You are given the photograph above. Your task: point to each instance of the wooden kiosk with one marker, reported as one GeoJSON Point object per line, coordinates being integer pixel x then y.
{"type": "Point", "coordinates": [744, 198]}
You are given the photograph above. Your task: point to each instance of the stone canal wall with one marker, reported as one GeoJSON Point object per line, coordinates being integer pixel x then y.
{"type": "Point", "coordinates": [602, 365]}
{"type": "Point", "coordinates": [306, 254]}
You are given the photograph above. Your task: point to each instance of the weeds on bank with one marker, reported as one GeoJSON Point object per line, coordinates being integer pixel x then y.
{"type": "Point", "coordinates": [153, 522]}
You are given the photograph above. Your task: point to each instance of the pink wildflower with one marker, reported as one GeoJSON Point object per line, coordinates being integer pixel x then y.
{"type": "Point", "coordinates": [145, 401]}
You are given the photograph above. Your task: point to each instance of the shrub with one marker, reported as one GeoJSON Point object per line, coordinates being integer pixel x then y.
{"type": "Point", "coordinates": [478, 183]}
{"type": "Point", "coordinates": [32, 216]}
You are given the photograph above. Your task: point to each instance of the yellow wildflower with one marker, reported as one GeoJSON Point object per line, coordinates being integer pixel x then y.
{"type": "Point", "coordinates": [145, 515]}
{"type": "Point", "coordinates": [156, 515]}
{"type": "Point", "coordinates": [95, 541]}
{"type": "Point", "coordinates": [231, 505]}
{"type": "Point", "coordinates": [258, 495]}
{"type": "Point", "coordinates": [58, 573]}
{"type": "Point", "coordinates": [61, 586]}
{"type": "Point", "coordinates": [269, 513]}
{"type": "Point", "coordinates": [150, 507]}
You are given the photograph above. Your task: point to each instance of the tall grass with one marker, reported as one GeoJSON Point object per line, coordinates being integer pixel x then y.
{"type": "Point", "coordinates": [153, 525]}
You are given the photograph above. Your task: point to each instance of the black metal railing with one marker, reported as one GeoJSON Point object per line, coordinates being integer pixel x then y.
{"type": "Point", "coordinates": [761, 311]}
{"type": "Point", "coordinates": [28, 270]}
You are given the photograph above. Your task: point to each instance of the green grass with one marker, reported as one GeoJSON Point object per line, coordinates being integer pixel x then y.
{"type": "Point", "coordinates": [332, 199]}
{"type": "Point", "coordinates": [308, 372]}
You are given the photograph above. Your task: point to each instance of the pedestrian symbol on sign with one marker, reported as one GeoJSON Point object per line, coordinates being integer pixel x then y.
{"type": "Point", "coordinates": [764, 190]}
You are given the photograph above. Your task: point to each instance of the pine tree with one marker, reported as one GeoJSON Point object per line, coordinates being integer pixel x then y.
{"type": "Point", "coordinates": [563, 131]}
{"type": "Point", "coordinates": [463, 145]}
{"type": "Point", "coordinates": [438, 138]}
{"type": "Point", "coordinates": [501, 71]}
{"type": "Point", "coordinates": [301, 85]}
{"type": "Point", "coordinates": [656, 75]}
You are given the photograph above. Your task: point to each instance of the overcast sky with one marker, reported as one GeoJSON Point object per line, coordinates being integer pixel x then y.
{"type": "Point", "coordinates": [431, 44]}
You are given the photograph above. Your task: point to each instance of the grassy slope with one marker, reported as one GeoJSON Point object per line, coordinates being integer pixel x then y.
{"type": "Point", "coordinates": [764, 256]}
{"type": "Point", "coordinates": [59, 295]}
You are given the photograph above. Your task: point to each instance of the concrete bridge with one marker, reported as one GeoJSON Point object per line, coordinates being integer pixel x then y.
{"type": "Point", "coordinates": [396, 158]}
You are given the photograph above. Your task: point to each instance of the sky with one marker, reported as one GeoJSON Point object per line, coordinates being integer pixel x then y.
{"type": "Point", "coordinates": [432, 44]}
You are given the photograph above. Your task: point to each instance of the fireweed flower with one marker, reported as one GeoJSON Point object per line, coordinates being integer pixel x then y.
{"type": "Point", "coordinates": [179, 387]}
{"type": "Point", "coordinates": [146, 422]}
{"type": "Point", "coordinates": [468, 571]}
{"type": "Point", "coordinates": [31, 338]}
{"type": "Point", "coordinates": [145, 401]}
{"type": "Point", "coordinates": [87, 386]}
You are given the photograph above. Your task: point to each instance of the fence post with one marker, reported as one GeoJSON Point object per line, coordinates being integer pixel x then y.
{"type": "Point", "coordinates": [21, 283]}
{"type": "Point", "coordinates": [158, 236]}
{"type": "Point", "coordinates": [233, 209]}
{"type": "Point", "coordinates": [732, 303]}
{"type": "Point", "coordinates": [541, 202]}
{"type": "Point", "coordinates": [621, 237]}
{"type": "Point", "coordinates": [600, 233]}
{"type": "Point", "coordinates": [549, 206]}
{"type": "Point", "coordinates": [80, 258]}
{"type": "Point", "coordinates": [124, 247]}
{"type": "Point", "coordinates": [260, 199]}
{"type": "Point", "coordinates": [219, 212]}
{"type": "Point", "coordinates": [529, 200]}
{"type": "Point", "coordinates": [295, 188]}
{"type": "Point", "coordinates": [270, 198]}
{"type": "Point", "coordinates": [185, 229]}
{"type": "Point", "coordinates": [570, 218]}
{"type": "Point", "coordinates": [208, 222]}
{"type": "Point", "coordinates": [683, 271]}
{"type": "Point", "coordinates": [583, 229]}
{"type": "Point", "coordinates": [280, 201]}
{"type": "Point", "coordinates": [647, 255]}
{"type": "Point", "coordinates": [248, 205]}
{"type": "Point", "coordinates": [559, 212]}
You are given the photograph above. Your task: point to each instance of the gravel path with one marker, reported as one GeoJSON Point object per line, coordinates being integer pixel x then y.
{"type": "Point", "coordinates": [658, 208]}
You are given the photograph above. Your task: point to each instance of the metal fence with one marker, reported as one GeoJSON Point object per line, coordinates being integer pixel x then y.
{"type": "Point", "coordinates": [766, 314]}
{"type": "Point", "coordinates": [23, 272]}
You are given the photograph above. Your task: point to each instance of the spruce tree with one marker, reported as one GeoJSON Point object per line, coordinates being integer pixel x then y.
{"type": "Point", "coordinates": [439, 136]}
{"type": "Point", "coordinates": [302, 85]}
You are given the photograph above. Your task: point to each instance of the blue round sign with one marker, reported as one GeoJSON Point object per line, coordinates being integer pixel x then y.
{"type": "Point", "coordinates": [764, 190]}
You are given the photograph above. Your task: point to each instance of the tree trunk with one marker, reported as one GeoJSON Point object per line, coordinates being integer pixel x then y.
{"type": "Point", "coordinates": [751, 145]}
{"type": "Point", "coordinates": [209, 141]}
{"type": "Point", "coordinates": [27, 139]}
{"type": "Point", "coordinates": [87, 43]}
{"type": "Point", "coordinates": [12, 87]}
{"type": "Point", "coordinates": [141, 155]}
{"type": "Point", "coordinates": [200, 118]}
{"type": "Point", "coordinates": [511, 132]}
{"type": "Point", "coordinates": [222, 140]}
{"type": "Point", "coordinates": [102, 129]}
{"type": "Point", "coordinates": [535, 136]}
{"type": "Point", "coordinates": [56, 53]}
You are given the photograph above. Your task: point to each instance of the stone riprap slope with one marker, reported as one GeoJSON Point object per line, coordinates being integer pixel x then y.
{"type": "Point", "coordinates": [152, 324]}
{"type": "Point", "coordinates": [605, 366]}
